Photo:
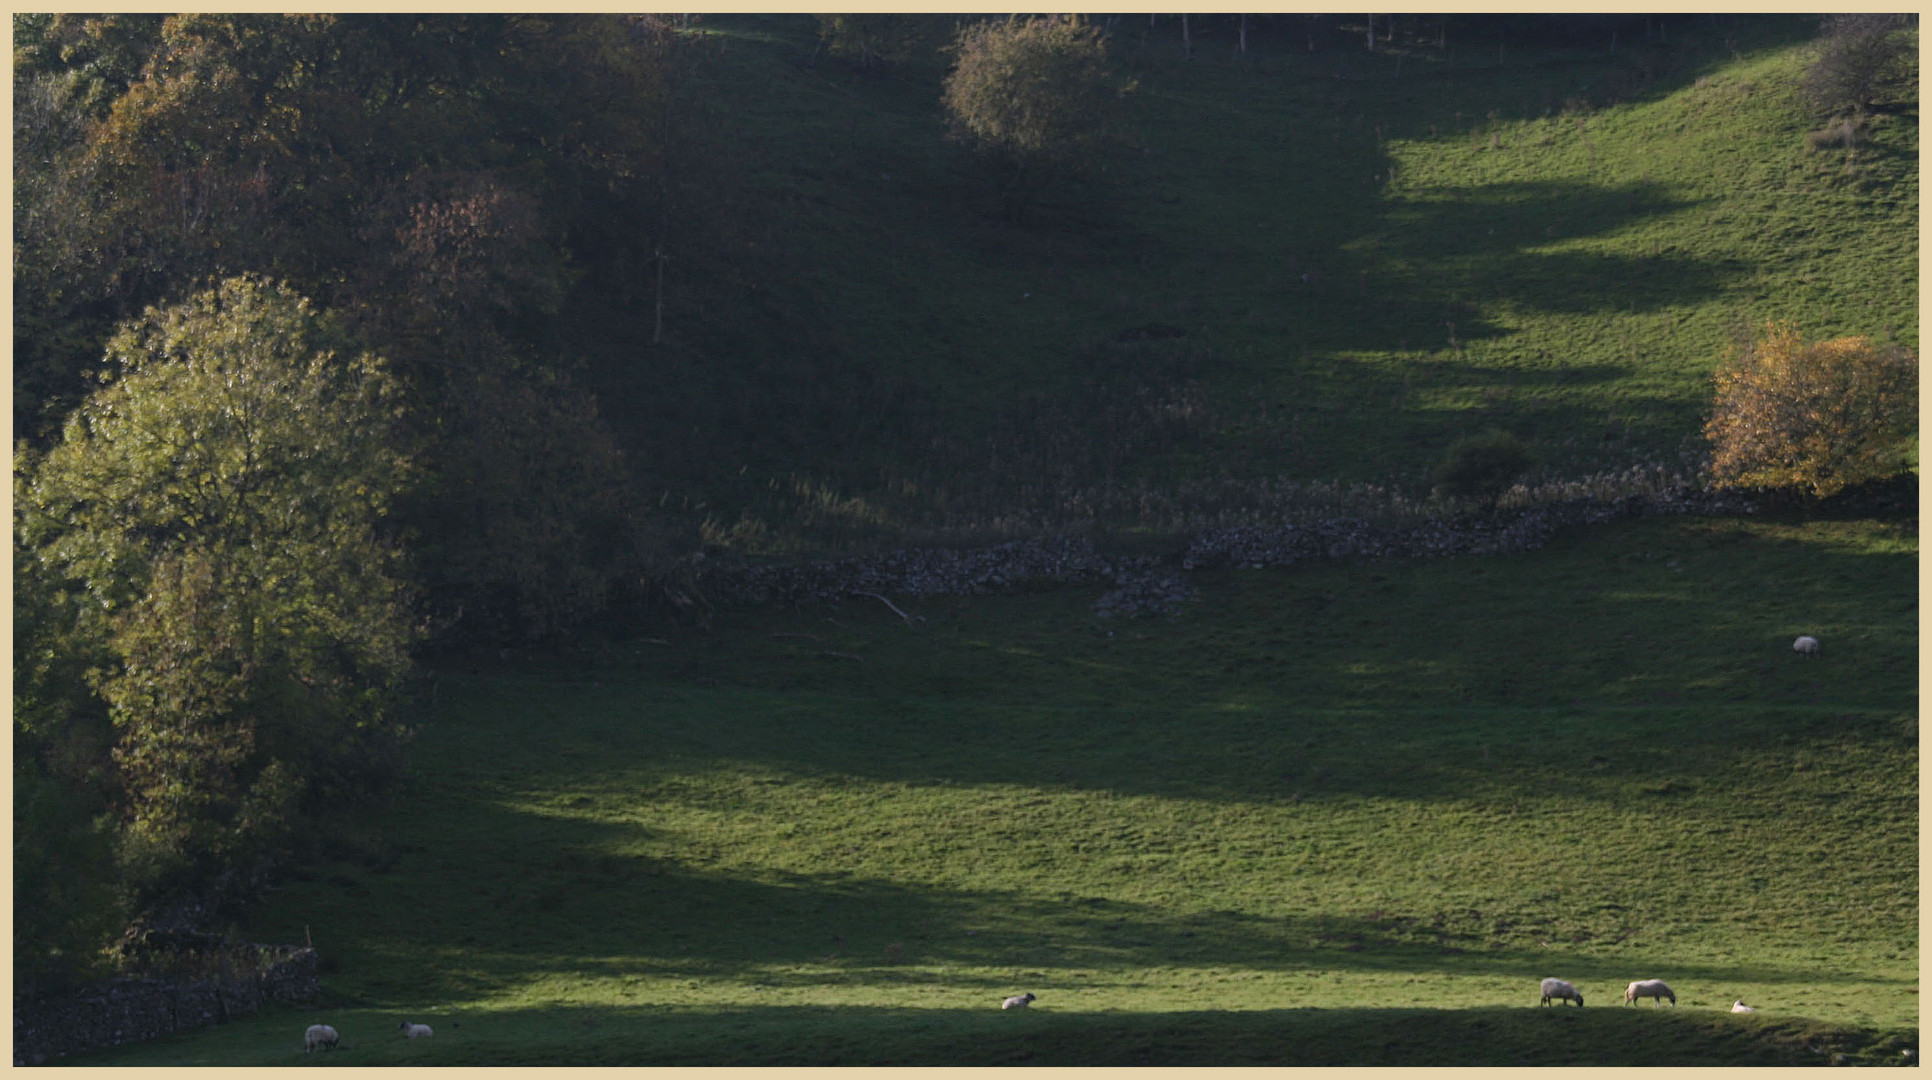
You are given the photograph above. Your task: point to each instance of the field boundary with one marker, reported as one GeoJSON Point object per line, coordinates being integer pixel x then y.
{"type": "Point", "coordinates": [1068, 559]}
{"type": "Point", "coordinates": [127, 1010]}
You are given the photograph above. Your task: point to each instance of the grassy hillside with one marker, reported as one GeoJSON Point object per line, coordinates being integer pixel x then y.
{"type": "Point", "coordinates": [1313, 265]}
{"type": "Point", "coordinates": [1329, 815]}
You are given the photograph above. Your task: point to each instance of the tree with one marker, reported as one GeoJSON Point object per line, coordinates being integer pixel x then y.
{"type": "Point", "coordinates": [344, 154]}
{"type": "Point", "coordinates": [448, 186]}
{"type": "Point", "coordinates": [1824, 415]}
{"type": "Point", "coordinates": [1033, 97]}
{"type": "Point", "coordinates": [526, 513]}
{"type": "Point", "coordinates": [212, 523]}
{"type": "Point", "coordinates": [1863, 61]}
{"type": "Point", "coordinates": [67, 903]}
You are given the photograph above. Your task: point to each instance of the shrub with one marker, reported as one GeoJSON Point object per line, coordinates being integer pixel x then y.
{"type": "Point", "coordinates": [1032, 97]}
{"type": "Point", "coordinates": [1863, 61]}
{"type": "Point", "coordinates": [877, 37]}
{"type": "Point", "coordinates": [1483, 466]}
{"type": "Point", "coordinates": [1822, 415]}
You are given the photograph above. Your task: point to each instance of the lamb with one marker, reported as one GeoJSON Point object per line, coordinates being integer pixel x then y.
{"type": "Point", "coordinates": [1557, 989]}
{"type": "Point", "coordinates": [415, 1031]}
{"type": "Point", "coordinates": [1739, 1006]}
{"type": "Point", "coordinates": [1653, 989]}
{"type": "Point", "coordinates": [318, 1036]}
{"type": "Point", "coordinates": [1806, 645]}
{"type": "Point", "coordinates": [1020, 1001]}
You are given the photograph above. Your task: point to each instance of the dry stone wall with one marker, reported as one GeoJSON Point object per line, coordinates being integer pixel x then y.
{"type": "Point", "coordinates": [137, 1009]}
{"type": "Point", "coordinates": [1148, 584]}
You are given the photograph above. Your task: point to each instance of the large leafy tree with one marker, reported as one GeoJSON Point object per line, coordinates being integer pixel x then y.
{"type": "Point", "coordinates": [212, 528]}
{"type": "Point", "coordinates": [445, 184]}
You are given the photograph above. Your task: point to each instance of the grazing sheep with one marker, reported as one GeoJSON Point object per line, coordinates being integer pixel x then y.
{"type": "Point", "coordinates": [1557, 989]}
{"type": "Point", "coordinates": [415, 1031]}
{"type": "Point", "coordinates": [1806, 645]}
{"type": "Point", "coordinates": [1653, 989]}
{"type": "Point", "coordinates": [318, 1036]}
{"type": "Point", "coordinates": [1019, 1002]}
{"type": "Point", "coordinates": [1739, 1006]}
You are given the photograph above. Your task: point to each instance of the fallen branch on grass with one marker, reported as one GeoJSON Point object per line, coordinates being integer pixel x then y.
{"type": "Point", "coordinates": [888, 603]}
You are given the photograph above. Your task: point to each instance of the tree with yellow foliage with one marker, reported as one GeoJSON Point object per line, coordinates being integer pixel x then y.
{"type": "Point", "coordinates": [1824, 415]}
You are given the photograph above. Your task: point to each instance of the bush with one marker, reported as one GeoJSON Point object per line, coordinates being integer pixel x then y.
{"type": "Point", "coordinates": [1863, 61]}
{"type": "Point", "coordinates": [1033, 97]}
{"type": "Point", "coordinates": [875, 38]}
{"type": "Point", "coordinates": [1482, 467]}
{"type": "Point", "coordinates": [1822, 415]}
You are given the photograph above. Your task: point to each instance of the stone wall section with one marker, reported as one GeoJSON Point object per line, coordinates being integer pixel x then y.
{"type": "Point", "coordinates": [1071, 560]}
{"type": "Point", "coordinates": [129, 1010]}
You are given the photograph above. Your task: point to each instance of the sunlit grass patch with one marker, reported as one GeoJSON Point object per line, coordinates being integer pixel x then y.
{"type": "Point", "coordinates": [1600, 761]}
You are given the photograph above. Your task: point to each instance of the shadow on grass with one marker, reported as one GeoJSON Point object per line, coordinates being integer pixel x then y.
{"type": "Point", "coordinates": [1606, 682]}
{"type": "Point", "coordinates": [558, 899]}
{"type": "Point", "coordinates": [861, 1036]}
{"type": "Point", "coordinates": [1482, 241]}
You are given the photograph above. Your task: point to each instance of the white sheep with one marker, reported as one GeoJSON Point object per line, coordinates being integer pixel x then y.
{"type": "Point", "coordinates": [1558, 990]}
{"type": "Point", "coordinates": [1653, 989]}
{"type": "Point", "coordinates": [319, 1035]}
{"type": "Point", "coordinates": [1019, 1001]}
{"type": "Point", "coordinates": [415, 1031]}
{"type": "Point", "coordinates": [1806, 645]}
{"type": "Point", "coordinates": [1739, 1006]}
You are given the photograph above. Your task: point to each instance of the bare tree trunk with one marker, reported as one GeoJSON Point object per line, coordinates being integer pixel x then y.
{"type": "Point", "coordinates": [1187, 39]}
{"type": "Point", "coordinates": [1243, 49]}
{"type": "Point", "coordinates": [1371, 33]}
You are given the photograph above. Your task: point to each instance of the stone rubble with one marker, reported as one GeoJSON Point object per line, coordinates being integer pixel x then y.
{"type": "Point", "coordinates": [1149, 584]}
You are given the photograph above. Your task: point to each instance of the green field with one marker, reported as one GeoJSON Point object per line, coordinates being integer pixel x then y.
{"type": "Point", "coordinates": [1334, 814]}
{"type": "Point", "coordinates": [1306, 265]}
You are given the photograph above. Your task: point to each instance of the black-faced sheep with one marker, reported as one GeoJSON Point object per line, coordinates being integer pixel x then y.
{"type": "Point", "coordinates": [415, 1031]}
{"type": "Point", "coordinates": [319, 1036]}
{"type": "Point", "coordinates": [1653, 989]}
{"type": "Point", "coordinates": [1558, 990]}
{"type": "Point", "coordinates": [1019, 1001]}
{"type": "Point", "coordinates": [1806, 645]}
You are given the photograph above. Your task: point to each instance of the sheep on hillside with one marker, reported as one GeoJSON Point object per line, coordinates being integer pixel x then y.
{"type": "Point", "coordinates": [1019, 1001]}
{"type": "Point", "coordinates": [415, 1031]}
{"type": "Point", "coordinates": [319, 1036]}
{"type": "Point", "coordinates": [1558, 990]}
{"type": "Point", "coordinates": [1739, 1006]}
{"type": "Point", "coordinates": [1806, 645]}
{"type": "Point", "coordinates": [1653, 989]}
